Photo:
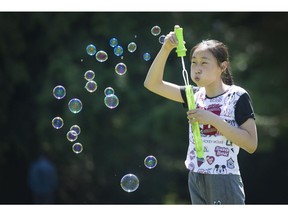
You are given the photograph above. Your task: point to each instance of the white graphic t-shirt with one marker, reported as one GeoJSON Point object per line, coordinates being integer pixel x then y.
{"type": "Point", "coordinates": [220, 155]}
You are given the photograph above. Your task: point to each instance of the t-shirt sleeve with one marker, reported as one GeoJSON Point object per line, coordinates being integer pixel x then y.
{"type": "Point", "coordinates": [183, 94]}
{"type": "Point", "coordinates": [244, 109]}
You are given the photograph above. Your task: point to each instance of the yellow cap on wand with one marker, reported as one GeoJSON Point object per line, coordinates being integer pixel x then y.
{"type": "Point", "coordinates": [181, 49]}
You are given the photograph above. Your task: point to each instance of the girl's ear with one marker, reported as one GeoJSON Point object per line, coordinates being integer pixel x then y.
{"type": "Point", "coordinates": [224, 66]}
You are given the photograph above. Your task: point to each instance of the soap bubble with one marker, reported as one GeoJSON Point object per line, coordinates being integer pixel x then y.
{"type": "Point", "coordinates": [132, 47]}
{"type": "Point", "coordinates": [113, 42]}
{"type": "Point", "coordinates": [111, 101]}
{"type": "Point", "coordinates": [89, 75]}
{"type": "Point", "coordinates": [75, 128]}
{"type": "Point", "coordinates": [91, 49]}
{"type": "Point", "coordinates": [129, 183]}
{"type": "Point", "coordinates": [146, 56]}
{"type": "Point", "coordinates": [118, 50]}
{"type": "Point", "coordinates": [150, 162]}
{"type": "Point", "coordinates": [59, 92]}
{"type": "Point", "coordinates": [77, 148]}
{"type": "Point", "coordinates": [120, 68]}
{"type": "Point", "coordinates": [155, 30]}
{"type": "Point", "coordinates": [101, 56]}
{"type": "Point", "coordinates": [57, 122]}
{"type": "Point", "coordinates": [75, 105]}
{"type": "Point", "coordinates": [161, 39]}
{"type": "Point", "coordinates": [108, 91]}
{"type": "Point", "coordinates": [72, 135]}
{"type": "Point", "coordinates": [91, 86]}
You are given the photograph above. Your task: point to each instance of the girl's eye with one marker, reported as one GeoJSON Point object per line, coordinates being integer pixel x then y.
{"type": "Point", "coordinates": [204, 63]}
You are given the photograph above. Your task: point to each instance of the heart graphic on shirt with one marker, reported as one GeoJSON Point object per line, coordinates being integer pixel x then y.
{"type": "Point", "coordinates": [210, 159]}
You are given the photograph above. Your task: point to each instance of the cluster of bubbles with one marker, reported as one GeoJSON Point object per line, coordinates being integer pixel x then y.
{"type": "Point", "coordinates": [91, 84]}
{"type": "Point", "coordinates": [75, 106]}
{"type": "Point", "coordinates": [110, 100]}
{"type": "Point", "coordinates": [129, 182]}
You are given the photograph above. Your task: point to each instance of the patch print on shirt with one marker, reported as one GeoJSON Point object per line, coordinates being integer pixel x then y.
{"type": "Point", "coordinates": [220, 169]}
{"type": "Point", "coordinates": [209, 130]}
{"type": "Point", "coordinates": [221, 151]}
{"type": "Point", "coordinates": [230, 163]}
{"type": "Point", "coordinates": [210, 159]}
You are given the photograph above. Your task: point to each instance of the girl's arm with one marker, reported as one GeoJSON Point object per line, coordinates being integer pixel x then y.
{"type": "Point", "coordinates": [245, 136]}
{"type": "Point", "coordinates": [154, 79]}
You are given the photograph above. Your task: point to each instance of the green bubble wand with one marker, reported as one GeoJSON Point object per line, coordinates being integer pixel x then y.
{"type": "Point", "coordinates": [181, 52]}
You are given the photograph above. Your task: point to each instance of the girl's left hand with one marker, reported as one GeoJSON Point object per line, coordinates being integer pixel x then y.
{"type": "Point", "coordinates": [199, 115]}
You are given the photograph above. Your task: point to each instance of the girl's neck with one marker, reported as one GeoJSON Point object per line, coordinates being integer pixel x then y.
{"type": "Point", "coordinates": [216, 89]}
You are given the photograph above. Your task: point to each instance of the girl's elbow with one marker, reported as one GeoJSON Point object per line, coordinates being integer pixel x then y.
{"type": "Point", "coordinates": [252, 148]}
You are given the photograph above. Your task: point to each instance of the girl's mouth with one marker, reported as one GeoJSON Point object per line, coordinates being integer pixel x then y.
{"type": "Point", "coordinates": [197, 78]}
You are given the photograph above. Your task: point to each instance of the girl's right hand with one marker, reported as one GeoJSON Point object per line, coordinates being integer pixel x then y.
{"type": "Point", "coordinates": [170, 41]}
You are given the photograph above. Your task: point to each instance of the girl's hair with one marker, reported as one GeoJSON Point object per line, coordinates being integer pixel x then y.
{"type": "Point", "coordinates": [220, 52]}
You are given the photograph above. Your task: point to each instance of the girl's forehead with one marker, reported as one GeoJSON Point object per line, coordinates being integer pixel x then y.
{"type": "Point", "coordinates": [202, 52]}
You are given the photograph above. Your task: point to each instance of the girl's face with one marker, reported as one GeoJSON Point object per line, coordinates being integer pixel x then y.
{"type": "Point", "coordinates": [204, 67]}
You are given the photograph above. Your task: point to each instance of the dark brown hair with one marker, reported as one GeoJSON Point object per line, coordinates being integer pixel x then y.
{"type": "Point", "coordinates": [220, 52]}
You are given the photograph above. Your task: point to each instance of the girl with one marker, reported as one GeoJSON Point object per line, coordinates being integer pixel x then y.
{"type": "Point", "coordinates": [225, 116]}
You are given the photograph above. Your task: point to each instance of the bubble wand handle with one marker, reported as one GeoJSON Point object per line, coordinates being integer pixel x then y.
{"type": "Point", "coordinates": [181, 49]}
{"type": "Point", "coordinates": [181, 52]}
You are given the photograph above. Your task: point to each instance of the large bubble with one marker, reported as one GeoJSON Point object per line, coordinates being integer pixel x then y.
{"type": "Point", "coordinates": [129, 183]}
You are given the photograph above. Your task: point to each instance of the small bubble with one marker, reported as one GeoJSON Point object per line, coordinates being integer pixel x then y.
{"type": "Point", "coordinates": [118, 50]}
{"type": "Point", "coordinates": [150, 162]}
{"type": "Point", "coordinates": [91, 49]}
{"type": "Point", "coordinates": [146, 56]}
{"type": "Point", "coordinates": [108, 91]}
{"type": "Point", "coordinates": [120, 68]}
{"type": "Point", "coordinates": [57, 122]}
{"type": "Point", "coordinates": [156, 30]}
{"type": "Point", "coordinates": [89, 75]}
{"type": "Point", "coordinates": [77, 148]}
{"type": "Point", "coordinates": [75, 128]}
{"type": "Point", "coordinates": [161, 39]}
{"type": "Point", "coordinates": [59, 92]}
{"type": "Point", "coordinates": [132, 47]}
{"type": "Point", "coordinates": [113, 42]}
{"type": "Point", "coordinates": [72, 136]}
{"type": "Point", "coordinates": [75, 105]}
{"type": "Point", "coordinates": [91, 86]}
{"type": "Point", "coordinates": [101, 56]}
